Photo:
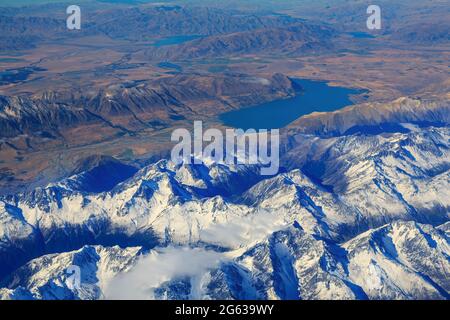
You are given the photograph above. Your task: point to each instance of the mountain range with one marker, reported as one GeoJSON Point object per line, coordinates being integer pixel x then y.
{"type": "Point", "coordinates": [91, 206]}
{"type": "Point", "coordinates": [353, 217]}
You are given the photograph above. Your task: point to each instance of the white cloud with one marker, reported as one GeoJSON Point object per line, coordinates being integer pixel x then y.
{"type": "Point", "coordinates": [243, 232]}
{"type": "Point", "coordinates": [165, 264]}
{"type": "Point", "coordinates": [158, 267]}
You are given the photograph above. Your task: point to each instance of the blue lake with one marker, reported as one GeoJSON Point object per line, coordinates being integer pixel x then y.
{"type": "Point", "coordinates": [361, 35]}
{"type": "Point", "coordinates": [314, 96]}
{"type": "Point", "coordinates": [170, 66]}
{"type": "Point", "coordinates": [17, 75]}
{"type": "Point", "coordinates": [174, 40]}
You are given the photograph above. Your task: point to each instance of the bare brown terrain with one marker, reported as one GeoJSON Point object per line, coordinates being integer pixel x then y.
{"type": "Point", "coordinates": [109, 91]}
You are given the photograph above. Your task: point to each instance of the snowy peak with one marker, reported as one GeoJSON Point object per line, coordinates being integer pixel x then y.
{"type": "Point", "coordinates": [94, 266]}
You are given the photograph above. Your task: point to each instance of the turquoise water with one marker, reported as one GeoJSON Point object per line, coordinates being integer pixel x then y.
{"type": "Point", "coordinates": [361, 35]}
{"type": "Point", "coordinates": [170, 65]}
{"type": "Point", "coordinates": [174, 40]}
{"type": "Point", "coordinates": [315, 96]}
{"type": "Point", "coordinates": [8, 60]}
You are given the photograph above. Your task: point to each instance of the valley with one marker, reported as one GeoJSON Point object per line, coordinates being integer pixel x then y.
{"type": "Point", "coordinates": [101, 69]}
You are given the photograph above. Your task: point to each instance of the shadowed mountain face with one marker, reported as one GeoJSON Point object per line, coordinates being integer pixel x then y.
{"type": "Point", "coordinates": [100, 173]}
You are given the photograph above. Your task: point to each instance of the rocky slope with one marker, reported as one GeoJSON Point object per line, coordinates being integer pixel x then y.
{"type": "Point", "coordinates": [374, 118]}
{"type": "Point", "coordinates": [297, 39]}
{"type": "Point", "coordinates": [165, 20]}
{"type": "Point", "coordinates": [42, 24]}
{"type": "Point", "coordinates": [125, 109]}
{"type": "Point", "coordinates": [429, 33]}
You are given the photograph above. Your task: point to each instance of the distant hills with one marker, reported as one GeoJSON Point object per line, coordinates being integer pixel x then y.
{"type": "Point", "coordinates": [297, 39]}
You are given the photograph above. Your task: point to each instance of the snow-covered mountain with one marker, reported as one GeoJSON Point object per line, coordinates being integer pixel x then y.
{"type": "Point", "coordinates": [47, 277]}
{"type": "Point", "coordinates": [402, 260]}
{"type": "Point", "coordinates": [350, 217]}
